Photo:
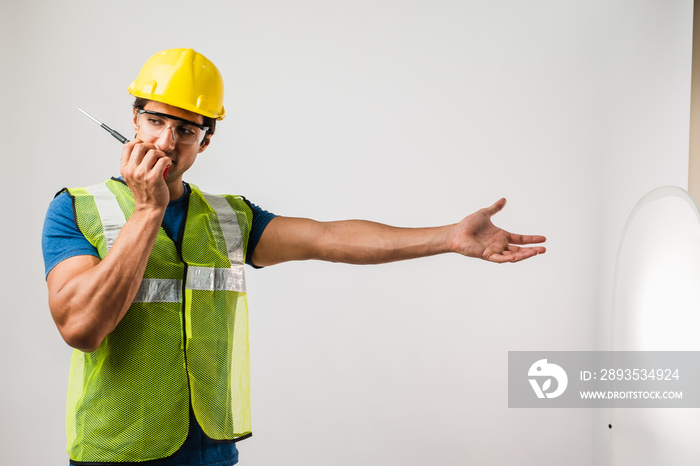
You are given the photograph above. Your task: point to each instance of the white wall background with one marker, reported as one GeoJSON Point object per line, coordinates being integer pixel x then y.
{"type": "Point", "coordinates": [405, 112]}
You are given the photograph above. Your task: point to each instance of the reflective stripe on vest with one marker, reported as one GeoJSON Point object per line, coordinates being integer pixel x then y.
{"type": "Point", "coordinates": [159, 290]}
{"type": "Point", "coordinates": [198, 278]}
{"type": "Point", "coordinates": [183, 341]}
{"type": "Point", "coordinates": [111, 214]}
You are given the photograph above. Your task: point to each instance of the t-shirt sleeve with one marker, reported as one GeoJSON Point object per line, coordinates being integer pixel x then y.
{"type": "Point", "coordinates": [260, 220]}
{"type": "Point", "coordinates": [61, 239]}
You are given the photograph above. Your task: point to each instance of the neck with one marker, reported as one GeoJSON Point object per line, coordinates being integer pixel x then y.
{"type": "Point", "coordinates": [176, 189]}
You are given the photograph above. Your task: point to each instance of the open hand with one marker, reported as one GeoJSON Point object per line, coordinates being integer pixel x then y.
{"type": "Point", "coordinates": [477, 237]}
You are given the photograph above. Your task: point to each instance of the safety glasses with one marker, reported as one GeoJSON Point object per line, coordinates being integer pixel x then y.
{"type": "Point", "coordinates": [183, 131]}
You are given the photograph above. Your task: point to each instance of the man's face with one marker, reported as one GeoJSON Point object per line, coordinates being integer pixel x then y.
{"type": "Point", "coordinates": [182, 154]}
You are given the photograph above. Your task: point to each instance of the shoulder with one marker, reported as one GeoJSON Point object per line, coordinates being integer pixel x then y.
{"type": "Point", "coordinates": [61, 237]}
{"type": "Point", "coordinates": [61, 208]}
{"type": "Point", "coordinates": [260, 215]}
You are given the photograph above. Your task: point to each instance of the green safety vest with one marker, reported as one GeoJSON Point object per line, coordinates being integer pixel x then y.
{"type": "Point", "coordinates": [183, 341]}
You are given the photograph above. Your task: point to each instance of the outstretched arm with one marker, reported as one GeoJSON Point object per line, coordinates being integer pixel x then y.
{"type": "Point", "coordinates": [362, 242]}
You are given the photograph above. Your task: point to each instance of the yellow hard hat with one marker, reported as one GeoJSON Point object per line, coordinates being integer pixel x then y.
{"type": "Point", "coordinates": [182, 78]}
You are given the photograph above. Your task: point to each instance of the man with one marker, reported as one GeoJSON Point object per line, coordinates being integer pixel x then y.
{"type": "Point", "coordinates": [145, 279]}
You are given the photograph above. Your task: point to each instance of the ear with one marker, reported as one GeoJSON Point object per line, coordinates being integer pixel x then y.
{"type": "Point", "coordinates": [133, 120]}
{"type": "Point", "coordinates": [205, 143]}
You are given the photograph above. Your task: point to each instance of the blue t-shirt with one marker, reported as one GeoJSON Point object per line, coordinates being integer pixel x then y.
{"type": "Point", "coordinates": [62, 239]}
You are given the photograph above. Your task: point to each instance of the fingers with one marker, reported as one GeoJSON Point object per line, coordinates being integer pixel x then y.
{"type": "Point", "coordinates": [126, 152]}
{"type": "Point", "coordinates": [525, 239]}
{"type": "Point", "coordinates": [521, 254]}
{"type": "Point", "coordinates": [160, 167]}
{"type": "Point", "coordinates": [512, 253]}
{"type": "Point", "coordinates": [143, 168]}
{"type": "Point", "coordinates": [495, 208]}
{"type": "Point", "coordinates": [142, 160]}
{"type": "Point", "coordinates": [503, 246]}
{"type": "Point", "coordinates": [512, 237]}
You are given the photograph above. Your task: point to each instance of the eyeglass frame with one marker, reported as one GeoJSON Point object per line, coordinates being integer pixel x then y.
{"type": "Point", "coordinates": [141, 111]}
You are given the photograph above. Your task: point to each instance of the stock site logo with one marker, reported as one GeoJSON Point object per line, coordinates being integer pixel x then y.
{"type": "Point", "coordinates": [545, 372]}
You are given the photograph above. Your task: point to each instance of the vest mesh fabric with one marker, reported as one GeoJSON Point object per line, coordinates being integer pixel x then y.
{"type": "Point", "coordinates": [226, 368]}
{"type": "Point", "coordinates": [129, 399]}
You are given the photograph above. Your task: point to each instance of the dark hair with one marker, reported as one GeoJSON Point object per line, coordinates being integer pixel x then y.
{"type": "Point", "coordinates": [140, 103]}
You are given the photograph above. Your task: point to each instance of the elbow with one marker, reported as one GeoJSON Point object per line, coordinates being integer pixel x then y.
{"type": "Point", "coordinates": [81, 338]}
{"type": "Point", "coordinates": [79, 325]}
{"type": "Point", "coordinates": [85, 347]}
{"type": "Point", "coordinates": [84, 343]}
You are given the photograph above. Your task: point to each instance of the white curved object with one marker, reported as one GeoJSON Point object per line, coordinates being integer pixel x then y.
{"type": "Point", "coordinates": [656, 307]}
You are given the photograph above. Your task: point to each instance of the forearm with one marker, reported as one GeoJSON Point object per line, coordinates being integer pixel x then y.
{"type": "Point", "coordinates": [364, 242]}
{"type": "Point", "coordinates": [350, 241]}
{"type": "Point", "coordinates": [89, 303]}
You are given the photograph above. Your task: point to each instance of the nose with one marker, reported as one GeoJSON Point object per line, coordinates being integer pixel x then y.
{"type": "Point", "coordinates": [166, 140]}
